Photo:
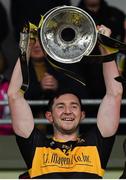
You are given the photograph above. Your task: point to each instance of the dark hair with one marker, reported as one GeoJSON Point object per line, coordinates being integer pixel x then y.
{"type": "Point", "coordinates": [60, 93]}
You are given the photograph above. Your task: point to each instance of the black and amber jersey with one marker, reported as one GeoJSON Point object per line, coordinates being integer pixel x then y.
{"type": "Point", "coordinates": [86, 157]}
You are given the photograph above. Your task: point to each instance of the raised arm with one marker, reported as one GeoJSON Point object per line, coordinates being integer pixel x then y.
{"type": "Point", "coordinates": [109, 111]}
{"type": "Point", "coordinates": [21, 115]}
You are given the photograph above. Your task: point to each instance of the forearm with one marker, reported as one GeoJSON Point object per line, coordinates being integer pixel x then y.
{"type": "Point", "coordinates": [22, 119]}
{"type": "Point", "coordinates": [109, 111]}
{"type": "Point", "coordinates": [16, 82]}
{"type": "Point", "coordinates": [110, 71]}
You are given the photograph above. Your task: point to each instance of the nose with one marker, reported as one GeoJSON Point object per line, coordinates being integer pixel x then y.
{"type": "Point", "coordinates": [67, 110]}
{"type": "Point", "coordinates": [37, 42]}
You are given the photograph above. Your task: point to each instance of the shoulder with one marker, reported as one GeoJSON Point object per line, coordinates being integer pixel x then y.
{"type": "Point", "coordinates": [94, 137]}
{"type": "Point", "coordinates": [36, 136]}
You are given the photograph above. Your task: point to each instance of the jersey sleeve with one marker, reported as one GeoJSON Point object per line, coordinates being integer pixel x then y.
{"type": "Point", "coordinates": [28, 145]}
{"type": "Point", "coordinates": [105, 145]}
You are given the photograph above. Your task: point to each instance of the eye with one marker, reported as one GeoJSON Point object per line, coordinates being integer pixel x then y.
{"type": "Point", "coordinates": [74, 106]}
{"type": "Point", "coordinates": [60, 106]}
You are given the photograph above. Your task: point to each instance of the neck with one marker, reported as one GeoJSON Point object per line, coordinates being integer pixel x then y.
{"type": "Point", "coordinates": [65, 137]}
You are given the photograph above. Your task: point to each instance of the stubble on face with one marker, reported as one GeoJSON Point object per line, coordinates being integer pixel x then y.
{"type": "Point", "coordinates": [66, 114]}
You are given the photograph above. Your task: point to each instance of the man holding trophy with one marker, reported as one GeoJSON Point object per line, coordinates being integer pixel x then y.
{"type": "Point", "coordinates": [67, 154]}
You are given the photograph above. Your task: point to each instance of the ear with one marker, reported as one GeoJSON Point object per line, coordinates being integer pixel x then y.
{"type": "Point", "coordinates": [83, 115]}
{"type": "Point", "coordinates": [48, 116]}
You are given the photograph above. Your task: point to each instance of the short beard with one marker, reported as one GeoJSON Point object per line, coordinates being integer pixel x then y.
{"type": "Point", "coordinates": [66, 132]}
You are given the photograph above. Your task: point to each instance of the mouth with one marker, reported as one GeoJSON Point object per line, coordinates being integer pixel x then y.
{"type": "Point", "coordinates": [67, 119]}
{"type": "Point", "coordinates": [37, 49]}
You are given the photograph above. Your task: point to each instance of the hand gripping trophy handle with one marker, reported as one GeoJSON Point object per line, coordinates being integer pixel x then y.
{"type": "Point", "coordinates": [24, 57]}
